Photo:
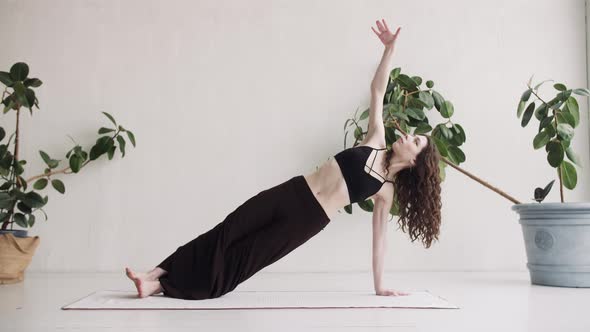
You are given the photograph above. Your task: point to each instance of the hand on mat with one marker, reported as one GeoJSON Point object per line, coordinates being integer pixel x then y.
{"type": "Point", "coordinates": [390, 292]}
{"type": "Point", "coordinates": [385, 35]}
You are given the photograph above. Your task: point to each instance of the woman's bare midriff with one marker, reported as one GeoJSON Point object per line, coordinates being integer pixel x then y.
{"type": "Point", "coordinates": [328, 187]}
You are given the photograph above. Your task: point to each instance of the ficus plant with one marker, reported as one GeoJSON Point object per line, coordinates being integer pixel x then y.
{"type": "Point", "coordinates": [406, 104]}
{"type": "Point", "coordinates": [557, 119]}
{"type": "Point", "coordinates": [17, 205]}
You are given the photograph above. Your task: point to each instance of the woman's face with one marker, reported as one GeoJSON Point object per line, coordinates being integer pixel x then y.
{"type": "Point", "coordinates": [408, 147]}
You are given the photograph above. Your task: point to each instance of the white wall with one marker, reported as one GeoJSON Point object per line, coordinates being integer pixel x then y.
{"type": "Point", "coordinates": [227, 98]}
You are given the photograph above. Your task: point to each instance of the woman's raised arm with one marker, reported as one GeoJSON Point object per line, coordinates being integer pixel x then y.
{"type": "Point", "coordinates": [379, 83]}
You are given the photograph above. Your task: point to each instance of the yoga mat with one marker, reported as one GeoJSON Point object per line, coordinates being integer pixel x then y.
{"type": "Point", "coordinates": [128, 300]}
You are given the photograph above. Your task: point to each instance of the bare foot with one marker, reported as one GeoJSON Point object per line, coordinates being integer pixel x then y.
{"type": "Point", "coordinates": [145, 285]}
{"type": "Point", "coordinates": [140, 275]}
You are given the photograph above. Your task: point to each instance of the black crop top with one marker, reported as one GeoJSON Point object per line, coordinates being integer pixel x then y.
{"type": "Point", "coordinates": [361, 185]}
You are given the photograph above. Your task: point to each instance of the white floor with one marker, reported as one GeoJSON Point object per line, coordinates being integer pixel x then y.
{"type": "Point", "coordinates": [489, 301]}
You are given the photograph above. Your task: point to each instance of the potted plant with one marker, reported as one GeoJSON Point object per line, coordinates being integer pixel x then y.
{"type": "Point", "coordinates": [17, 205]}
{"type": "Point", "coordinates": [556, 235]}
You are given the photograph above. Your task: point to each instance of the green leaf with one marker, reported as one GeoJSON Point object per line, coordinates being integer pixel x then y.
{"type": "Point", "coordinates": [75, 163]}
{"type": "Point", "coordinates": [31, 221]}
{"type": "Point", "coordinates": [456, 155]}
{"type": "Point", "coordinates": [407, 83]}
{"type": "Point", "coordinates": [441, 146]}
{"type": "Point", "coordinates": [541, 112]}
{"type": "Point", "coordinates": [582, 92]}
{"type": "Point", "coordinates": [121, 145]}
{"type": "Point", "coordinates": [40, 184]}
{"type": "Point", "coordinates": [363, 116]}
{"type": "Point", "coordinates": [58, 185]}
{"type": "Point", "coordinates": [19, 89]}
{"type": "Point", "coordinates": [571, 155]}
{"type": "Point", "coordinates": [526, 95]}
{"type": "Point", "coordinates": [447, 133]}
{"type": "Point", "coordinates": [426, 98]}
{"type": "Point", "coordinates": [101, 146]}
{"type": "Point", "coordinates": [564, 95]}
{"type": "Point", "coordinates": [566, 117]}
{"type": "Point", "coordinates": [358, 133]}
{"type": "Point", "coordinates": [559, 86]}
{"type": "Point", "coordinates": [395, 73]}
{"type": "Point", "coordinates": [569, 175]}
{"type": "Point", "coordinates": [541, 139]}
{"type": "Point", "coordinates": [441, 169]}
{"type": "Point", "coordinates": [397, 114]}
{"type": "Point", "coordinates": [6, 201]}
{"type": "Point", "coordinates": [554, 153]}
{"type": "Point", "coordinates": [438, 100]}
{"type": "Point", "coordinates": [52, 163]}
{"type": "Point", "coordinates": [34, 82]}
{"type": "Point", "coordinates": [23, 207]}
{"type": "Point", "coordinates": [429, 84]}
{"type": "Point", "coordinates": [110, 118]}
{"type": "Point", "coordinates": [461, 132]}
{"type": "Point", "coordinates": [422, 128]}
{"type": "Point", "coordinates": [33, 200]}
{"type": "Point", "coordinates": [565, 131]}
{"type": "Point", "coordinates": [20, 220]}
{"type": "Point", "coordinates": [131, 137]}
{"type": "Point", "coordinates": [19, 71]}
{"type": "Point", "coordinates": [417, 79]}
{"type": "Point", "coordinates": [447, 109]}
{"type": "Point", "coordinates": [415, 113]}
{"type": "Point", "coordinates": [2, 134]}
{"type": "Point", "coordinates": [104, 130]}
{"type": "Point", "coordinates": [111, 152]}
{"type": "Point", "coordinates": [520, 109]}
{"type": "Point", "coordinates": [6, 79]}
{"type": "Point", "coordinates": [528, 113]}
{"type": "Point", "coordinates": [546, 122]}
{"type": "Point", "coordinates": [574, 110]}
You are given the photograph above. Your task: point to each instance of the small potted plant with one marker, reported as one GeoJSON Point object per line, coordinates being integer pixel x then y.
{"type": "Point", "coordinates": [556, 235]}
{"type": "Point", "coordinates": [17, 205]}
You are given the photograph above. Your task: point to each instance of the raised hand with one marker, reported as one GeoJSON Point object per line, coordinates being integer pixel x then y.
{"type": "Point", "coordinates": [387, 38]}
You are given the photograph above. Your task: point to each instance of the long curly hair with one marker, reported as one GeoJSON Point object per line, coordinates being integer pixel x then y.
{"type": "Point", "coordinates": [417, 193]}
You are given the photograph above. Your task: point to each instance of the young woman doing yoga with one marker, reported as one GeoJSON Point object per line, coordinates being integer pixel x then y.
{"type": "Point", "coordinates": [274, 222]}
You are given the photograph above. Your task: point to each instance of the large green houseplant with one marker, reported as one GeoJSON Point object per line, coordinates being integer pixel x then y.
{"type": "Point", "coordinates": [19, 202]}
{"type": "Point", "coordinates": [406, 107]}
{"type": "Point", "coordinates": [556, 235]}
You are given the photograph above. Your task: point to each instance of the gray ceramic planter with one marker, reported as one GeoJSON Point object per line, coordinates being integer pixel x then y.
{"type": "Point", "coordinates": [557, 241]}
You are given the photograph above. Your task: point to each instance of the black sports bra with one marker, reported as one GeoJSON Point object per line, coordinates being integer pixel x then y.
{"type": "Point", "coordinates": [360, 184]}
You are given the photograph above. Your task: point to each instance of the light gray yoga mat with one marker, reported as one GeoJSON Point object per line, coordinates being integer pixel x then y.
{"type": "Point", "coordinates": [128, 300]}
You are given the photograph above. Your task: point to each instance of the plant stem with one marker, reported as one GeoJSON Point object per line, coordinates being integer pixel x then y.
{"type": "Point", "coordinates": [560, 183]}
{"type": "Point", "coordinates": [503, 194]}
{"type": "Point", "coordinates": [63, 171]}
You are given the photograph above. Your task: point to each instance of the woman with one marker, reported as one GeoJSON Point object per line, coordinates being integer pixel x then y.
{"type": "Point", "coordinates": [277, 220]}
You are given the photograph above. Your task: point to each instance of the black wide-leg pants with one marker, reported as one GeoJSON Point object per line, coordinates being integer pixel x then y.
{"type": "Point", "coordinates": [256, 234]}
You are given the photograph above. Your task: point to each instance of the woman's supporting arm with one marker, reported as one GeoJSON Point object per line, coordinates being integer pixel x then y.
{"type": "Point", "coordinates": [379, 242]}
